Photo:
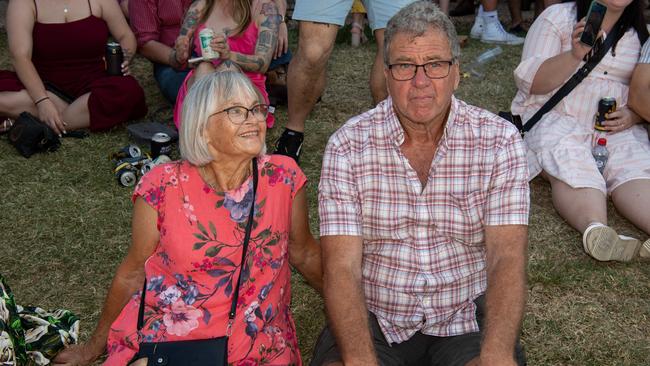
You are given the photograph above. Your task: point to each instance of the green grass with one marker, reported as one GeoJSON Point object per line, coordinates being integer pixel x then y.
{"type": "Point", "coordinates": [64, 227]}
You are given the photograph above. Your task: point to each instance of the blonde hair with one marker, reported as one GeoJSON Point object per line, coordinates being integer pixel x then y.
{"type": "Point", "coordinates": [202, 100]}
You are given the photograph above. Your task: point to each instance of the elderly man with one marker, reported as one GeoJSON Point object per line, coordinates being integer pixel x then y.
{"type": "Point", "coordinates": [424, 207]}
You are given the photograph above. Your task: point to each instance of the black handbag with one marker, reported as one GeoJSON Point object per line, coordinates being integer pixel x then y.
{"type": "Point", "coordinates": [594, 57]}
{"type": "Point", "coordinates": [201, 352]}
{"type": "Point", "coordinates": [29, 136]}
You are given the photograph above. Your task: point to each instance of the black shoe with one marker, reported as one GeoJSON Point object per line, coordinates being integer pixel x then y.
{"type": "Point", "coordinates": [290, 144]}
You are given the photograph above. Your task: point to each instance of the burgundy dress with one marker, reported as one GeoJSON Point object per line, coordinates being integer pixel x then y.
{"type": "Point", "coordinates": [70, 56]}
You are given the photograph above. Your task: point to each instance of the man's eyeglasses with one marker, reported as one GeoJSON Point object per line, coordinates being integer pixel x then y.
{"type": "Point", "coordinates": [239, 114]}
{"type": "Point", "coordinates": [433, 70]}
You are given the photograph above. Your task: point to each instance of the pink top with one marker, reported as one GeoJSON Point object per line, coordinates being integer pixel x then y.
{"type": "Point", "coordinates": [190, 274]}
{"type": "Point", "coordinates": [243, 43]}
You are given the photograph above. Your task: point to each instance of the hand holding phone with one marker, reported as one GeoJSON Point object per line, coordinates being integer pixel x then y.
{"type": "Point", "coordinates": [595, 18]}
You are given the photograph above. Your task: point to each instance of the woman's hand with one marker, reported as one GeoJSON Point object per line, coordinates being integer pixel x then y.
{"type": "Point", "coordinates": [50, 115]}
{"type": "Point", "coordinates": [283, 41]}
{"type": "Point", "coordinates": [181, 52]}
{"type": "Point", "coordinates": [77, 355]}
{"type": "Point", "coordinates": [219, 43]}
{"type": "Point", "coordinates": [578, 49]}
{"type": "Point", "coordinates": [621, 120]}
{"type": "Point", "coordinates": [128, 56]}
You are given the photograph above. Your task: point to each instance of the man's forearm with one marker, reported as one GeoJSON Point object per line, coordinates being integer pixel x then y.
{"type": "Point", "coordinates": [158, 52]}
{"type": "Point", "coordinates": [505, 302]}
{"type": "Point", "coordinates": [348, 317]}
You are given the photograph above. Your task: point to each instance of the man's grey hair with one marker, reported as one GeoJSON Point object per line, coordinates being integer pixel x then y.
{"type": "Point", "coordinates": [416, 19]}
{"type": "Point", "coordinates": [205, 96]}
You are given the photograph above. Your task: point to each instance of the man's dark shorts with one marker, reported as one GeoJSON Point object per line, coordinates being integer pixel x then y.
{"type": "Point", "coordinates": [420, 350]}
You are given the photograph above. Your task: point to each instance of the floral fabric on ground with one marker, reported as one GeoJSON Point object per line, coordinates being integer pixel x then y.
{"type": "Point", "coordinates": [31, 335]}
{"type": "Point", "coordinates": [191, 274]}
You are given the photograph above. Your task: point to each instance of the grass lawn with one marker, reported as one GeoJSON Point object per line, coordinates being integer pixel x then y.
{"type": "Point", "coordinates": [65, 225]}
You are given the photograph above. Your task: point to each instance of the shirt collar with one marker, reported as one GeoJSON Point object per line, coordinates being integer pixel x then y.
{"type": "Point", "coordinates": [396, 132]}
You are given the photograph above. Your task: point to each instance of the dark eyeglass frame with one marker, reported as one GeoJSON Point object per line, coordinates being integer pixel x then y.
{"type": "Point", "coordinates": [424, 67]}
{"type": "Point", "coordinates": [249, 111]}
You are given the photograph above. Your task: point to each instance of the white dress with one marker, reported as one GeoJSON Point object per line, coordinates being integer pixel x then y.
{"type": "Point", "coordinates": [561, 142]}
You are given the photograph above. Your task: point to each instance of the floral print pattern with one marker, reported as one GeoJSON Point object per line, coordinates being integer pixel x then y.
{"type": "Point", "coordinates": [192, 273]}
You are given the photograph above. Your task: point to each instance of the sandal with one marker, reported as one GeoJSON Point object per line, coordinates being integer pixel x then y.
{"type": "Point", "coordinates": [356, 31]}
{"type": "Point", "coordinates": [6, 125]}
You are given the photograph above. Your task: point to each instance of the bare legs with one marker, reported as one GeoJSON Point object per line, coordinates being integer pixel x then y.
{"type": "Point", "coordinates": [307, 71]}
{"type": "Point", "coordinates": [377, 79]}
{"type": "Point", "coordinates": [578, 206]}
{"type": "Point", "coordinates": [75, 115]}
{"type": "Point", "coordinates": [632, 200]}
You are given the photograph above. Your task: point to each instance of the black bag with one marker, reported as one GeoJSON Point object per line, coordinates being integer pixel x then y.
{"type": "Point", "coordinates": [598, 52]}
{"type": "Point", "coordinates": [29, 136]}
{"type": "Point", "coordinates": [201, 352]}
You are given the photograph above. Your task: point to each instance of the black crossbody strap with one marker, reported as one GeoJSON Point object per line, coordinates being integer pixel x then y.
{"type": "Point", "coordinates": [247, 237]}
{"type": "Point", "coordinates": [576, 79]}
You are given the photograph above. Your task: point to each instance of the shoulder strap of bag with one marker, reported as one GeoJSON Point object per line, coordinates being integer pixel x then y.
{"type": "Point", "coordinates": [576, 79]}
{"type": "Point", "coordinates": [247, 236]}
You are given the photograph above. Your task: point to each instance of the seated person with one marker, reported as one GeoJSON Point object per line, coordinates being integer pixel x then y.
{"type": "Point", "coordinates": [245, 37]}
{"type": "Point", "coordinates": [156, 24]}
{"type": "Point", "coordinates": [189, 290]}
{"type": "Point", "coordinates": [560, 145]}
{"type": "Point", "coordinates": [60, 45]}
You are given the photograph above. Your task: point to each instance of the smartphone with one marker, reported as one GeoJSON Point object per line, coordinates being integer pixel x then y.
{"type": "Point", "coordinates": [595, 18]}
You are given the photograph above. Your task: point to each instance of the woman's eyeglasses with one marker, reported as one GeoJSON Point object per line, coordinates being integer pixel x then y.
{"type": "Point", "coordinates": [239, 114]}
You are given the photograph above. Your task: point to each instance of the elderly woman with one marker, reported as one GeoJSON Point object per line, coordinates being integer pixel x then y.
{"type": "Point", "coordinates": [189, 224]}
{"type": "Point", "coordinates": [559, 146]}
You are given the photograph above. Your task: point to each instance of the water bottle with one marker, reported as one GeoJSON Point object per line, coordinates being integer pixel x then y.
{"type": "Point", "coordinates": [601, 154]}
{"type": "Point", "coordinates": [476, 68]}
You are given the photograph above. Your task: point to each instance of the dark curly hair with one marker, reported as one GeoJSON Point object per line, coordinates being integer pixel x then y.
{"type": "Point", "coordinates": [632, 17]}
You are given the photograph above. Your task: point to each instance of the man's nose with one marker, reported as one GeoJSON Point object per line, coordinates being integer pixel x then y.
{"type": "Point", "coordinates": [420, 78]}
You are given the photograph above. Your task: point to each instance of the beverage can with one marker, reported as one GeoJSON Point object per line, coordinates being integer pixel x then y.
{"type": "Point", "coordinates": [161, 144]}
{"type": "Point", "coordinates": [606, 106]}
{"type": "Point", "coordinates": [205, 37]}
{"type": "Point", "coordinates": [114, 58]}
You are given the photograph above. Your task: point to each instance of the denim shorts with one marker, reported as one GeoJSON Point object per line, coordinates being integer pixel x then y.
{"type": "Point", "coordinates": [335, 11]}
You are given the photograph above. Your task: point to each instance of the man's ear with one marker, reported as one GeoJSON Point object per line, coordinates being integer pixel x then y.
{"type": "Point", "coordinates": [456, 74]}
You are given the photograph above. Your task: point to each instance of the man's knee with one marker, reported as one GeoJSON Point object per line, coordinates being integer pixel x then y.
{"type": "Point", "coordinates": [316, 43]}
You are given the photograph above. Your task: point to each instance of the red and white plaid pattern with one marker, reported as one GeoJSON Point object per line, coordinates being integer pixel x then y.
{"type": "Point", "coordinates": [423, 249]}
{"type": "Point", "coordinates": [157, 20]}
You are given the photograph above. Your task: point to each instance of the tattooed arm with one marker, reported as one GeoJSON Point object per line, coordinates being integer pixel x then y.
{"type": "Point", "coordinates": [188, 27]}
{"type": "Point", "coordinates": [267, 20]}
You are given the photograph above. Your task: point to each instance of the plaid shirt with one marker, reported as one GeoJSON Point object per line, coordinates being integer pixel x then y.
{"type": "Point", "coordinates": [423, 249]}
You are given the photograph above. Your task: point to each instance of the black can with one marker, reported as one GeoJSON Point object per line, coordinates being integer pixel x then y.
{"type": "Point", "coordinates": [161, 144]}
{"type": "Point", "coordinates": [114, 58]}
{"type": "Point", "coordinates": [606, 106]}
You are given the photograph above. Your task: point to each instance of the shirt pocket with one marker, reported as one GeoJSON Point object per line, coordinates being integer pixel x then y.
{"type": "Point", "coordinates": [466, 220]}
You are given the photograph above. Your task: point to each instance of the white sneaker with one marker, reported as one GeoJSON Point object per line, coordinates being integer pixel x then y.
{"type": "Point", "coordinates": [644, 252]}
{"type": "Point", "coordinates": [603, 244]}
{"type": "Point", "coordinates": [493, 32]}
{"type": "Point", "coordinates": [477, 28]}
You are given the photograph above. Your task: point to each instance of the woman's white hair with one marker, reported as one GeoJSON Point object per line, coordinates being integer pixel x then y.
{"type": "Point", "coordinates": [204, 97]}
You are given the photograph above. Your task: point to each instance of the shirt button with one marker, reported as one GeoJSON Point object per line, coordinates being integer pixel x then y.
{"type": "Point", "coordinates": [605, 73]}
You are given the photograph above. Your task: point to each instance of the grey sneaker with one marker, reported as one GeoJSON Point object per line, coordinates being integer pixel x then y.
{"type": "Point", "coordinates": [604, 244]}
{"type": "Point", "coordinates": [493, 32]}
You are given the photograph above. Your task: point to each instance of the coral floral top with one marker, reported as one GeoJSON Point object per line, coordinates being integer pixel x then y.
{"type": "Point", "coordinates": [191, 274]}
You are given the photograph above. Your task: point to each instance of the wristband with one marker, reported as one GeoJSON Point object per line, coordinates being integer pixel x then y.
{"type": "Point", "coordinates": [40, 100]}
